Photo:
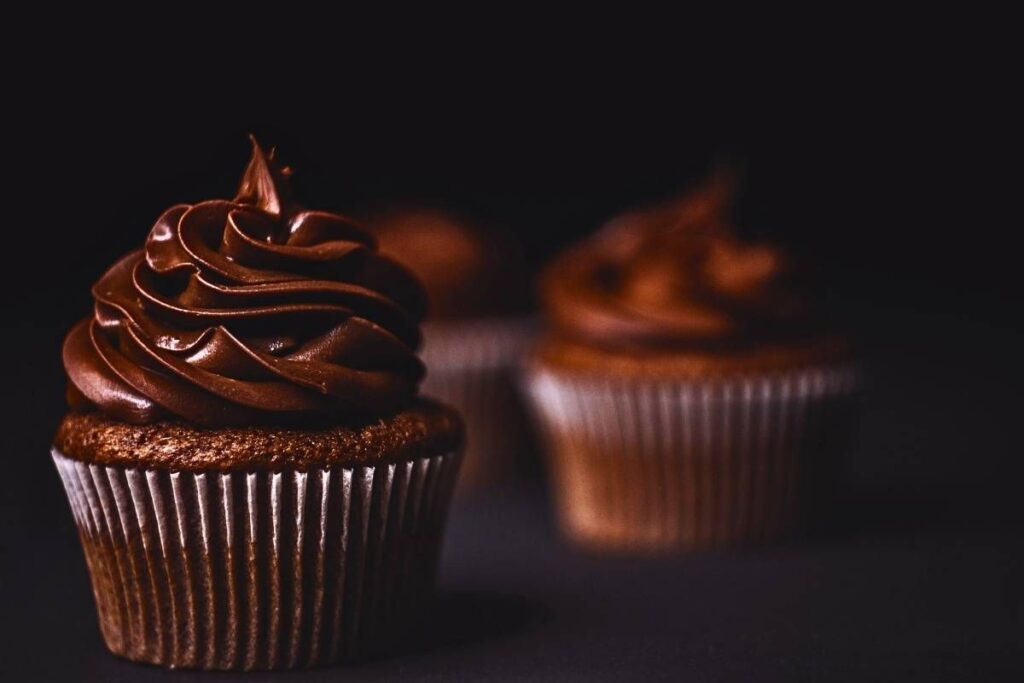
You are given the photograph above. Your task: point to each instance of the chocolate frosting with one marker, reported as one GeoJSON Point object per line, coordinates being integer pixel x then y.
{"type": "Point", "coordinates": [466, 273]}
{"type": "Point", "coordinates": [674, 276]}
{"type": "Point", "coordinates": [460, 269]}
{"type": "Point", "coordinates": [250, 311]}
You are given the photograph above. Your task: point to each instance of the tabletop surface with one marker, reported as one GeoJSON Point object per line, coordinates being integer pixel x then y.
{"type": "Point", "coordinates": [918, 579]}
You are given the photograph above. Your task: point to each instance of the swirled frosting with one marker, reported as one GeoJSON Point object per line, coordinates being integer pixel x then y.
{"type": "Point", "coordinates": [250, 311]}
{"type": "Point", "coordinates": [674, 275]}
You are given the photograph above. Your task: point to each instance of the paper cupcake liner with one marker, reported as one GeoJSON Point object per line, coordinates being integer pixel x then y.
{"type": "Point", "coordinates": [258, 570]}
{"type": "Point", "coordinates": [687, 463]}
{"type": "Point", "coordinates": [471, 366]}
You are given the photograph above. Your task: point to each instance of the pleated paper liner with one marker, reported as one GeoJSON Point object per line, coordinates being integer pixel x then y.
{"type": "Point", "coordinates": [471, 365]}
{"type": "Point", "coordinates": [259, 570]}
{"type": "Point", "coordinates": [663, 464]}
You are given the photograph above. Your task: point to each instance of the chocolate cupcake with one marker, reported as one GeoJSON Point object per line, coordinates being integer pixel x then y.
{"type": "Point", "coordinates": [476, 332]}
{"type": "Point", "coordinates": [687, 387]}
{"type": "Point", "coordinates": [255, 481]}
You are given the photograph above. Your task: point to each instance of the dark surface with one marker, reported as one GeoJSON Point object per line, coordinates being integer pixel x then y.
{"type": "Point", "coordinates": [515, 604]}
{"type": "Point", "coordinates": [918, 577]}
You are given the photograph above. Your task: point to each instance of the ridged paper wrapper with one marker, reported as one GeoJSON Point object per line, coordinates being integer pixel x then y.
{"type": "Point", "coordinates": [681, 463]}
{"type": "Point", "coordinates": [259, 570]}
{"type": "Point", "coordinates": [472, 366]}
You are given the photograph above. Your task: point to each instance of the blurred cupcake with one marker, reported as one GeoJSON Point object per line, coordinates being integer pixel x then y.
{"type": "Point", "coordinates": [475, 334]}
{"type": "Point", "coordinates": [254, 480]}
{"type": "Point", "coordinates": [687, 388]}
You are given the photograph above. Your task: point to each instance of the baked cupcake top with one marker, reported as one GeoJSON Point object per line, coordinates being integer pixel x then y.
{"type": "Point", "coordinates": [466, 274]}
{"type": "Point", "coordinates": [423, 429]}
{"type": "Point", "coordinates": [676, 277]}
{"type": "Point", "coordinates": [250, 311]}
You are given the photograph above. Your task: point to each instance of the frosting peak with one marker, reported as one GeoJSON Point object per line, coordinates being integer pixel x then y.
{"type": "Point", "coordinates": [673, 275]}
{"type": "Point", "coordinates": [264, 184]}
{"type": "Point", "coordinates": [250, 311]}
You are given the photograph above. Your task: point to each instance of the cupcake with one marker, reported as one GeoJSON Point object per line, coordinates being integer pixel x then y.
{"type": "Point", "coordinates": [255, 481]}
{"type": "Point", "coordinates": [475, 335]}
{"type": "Point", "coordinates": [687, 388]}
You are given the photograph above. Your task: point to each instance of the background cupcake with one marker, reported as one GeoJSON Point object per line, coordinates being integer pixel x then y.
{"type": "Point", "coordinates": [254, 480]}
{"type": "Point", "coordinates": [687, 389]}
{"type": "Point", "coordinates": [476, 332]}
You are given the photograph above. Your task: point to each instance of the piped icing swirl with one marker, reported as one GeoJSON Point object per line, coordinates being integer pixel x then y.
{"type": "Point", "coordinates": [674, 276]}
{"type": "Point", "coordinates": [250, 311]}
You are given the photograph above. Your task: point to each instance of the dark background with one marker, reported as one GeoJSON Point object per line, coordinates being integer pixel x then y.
{"type": "Point", "coordinates": [884, 175]}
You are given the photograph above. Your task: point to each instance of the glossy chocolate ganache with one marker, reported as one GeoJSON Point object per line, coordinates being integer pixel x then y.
{"type": "Point", "coordinates": [250, 311]}
{"type": "Point", "coordinates": [674, 277]}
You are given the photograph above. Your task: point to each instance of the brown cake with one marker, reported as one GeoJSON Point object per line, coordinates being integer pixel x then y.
{"type": "Point", "coordinates": [685, 382]}
{"type": "Point", "coordinates": [476, 332]}
{"type": "Point", "coordinates": [255, 481]}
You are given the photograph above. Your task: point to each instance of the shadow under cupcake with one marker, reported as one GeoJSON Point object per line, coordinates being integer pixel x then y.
{"type": "Point", "coordinates": [255, 482]}
{"type": "Point", "coordinates": [688, 391]}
